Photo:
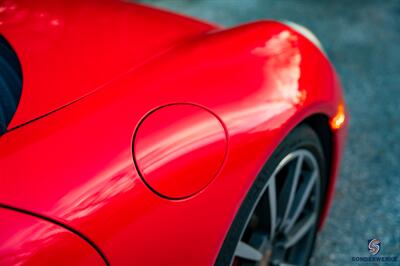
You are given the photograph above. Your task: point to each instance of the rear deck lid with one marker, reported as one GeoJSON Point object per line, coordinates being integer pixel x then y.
{"type": "Point", "coordinates": [68, 49]}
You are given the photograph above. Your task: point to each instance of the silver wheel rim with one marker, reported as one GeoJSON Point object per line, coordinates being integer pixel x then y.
{"type": "Point", "coordinates": [290, 202]}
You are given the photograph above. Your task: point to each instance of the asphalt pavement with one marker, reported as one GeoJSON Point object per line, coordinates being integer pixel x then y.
{"type": "Point", "coordinates": [362, 39]}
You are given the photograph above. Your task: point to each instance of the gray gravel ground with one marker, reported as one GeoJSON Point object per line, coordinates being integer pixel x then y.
{"type": "Point", "coordinates": [362, 38]}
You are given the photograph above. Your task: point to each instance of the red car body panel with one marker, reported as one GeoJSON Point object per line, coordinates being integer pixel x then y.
{"type": "Point", "coordinates": [28, 240]}
{"type": "Point", "coordinates": [59, 41]}
{"type": "Point", "coordinates": [75, 166]}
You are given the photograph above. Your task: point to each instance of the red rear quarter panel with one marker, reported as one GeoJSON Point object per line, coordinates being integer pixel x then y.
{"type": "Point", "coordinates": [76, 165]}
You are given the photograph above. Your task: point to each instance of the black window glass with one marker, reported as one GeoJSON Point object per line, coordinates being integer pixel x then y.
{"type": "Point", "coordinates": [10, 83]}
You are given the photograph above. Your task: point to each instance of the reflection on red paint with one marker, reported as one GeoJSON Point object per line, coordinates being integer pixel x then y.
{"type": "Point", "coordinates": [282, 68]}
{"type": "Point", "coordinates": [115, 180]}
{"type": "Point", "coordinates": [179, 149]}
{"type": "Point", "coordinates": [30, 241]}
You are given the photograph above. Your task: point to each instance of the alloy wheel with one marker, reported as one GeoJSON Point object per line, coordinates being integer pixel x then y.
{"type": "Point", "coordinates": [281, 227]}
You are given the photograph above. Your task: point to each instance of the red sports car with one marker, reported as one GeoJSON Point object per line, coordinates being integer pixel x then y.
{"type": "Point", "coordinates": [135, 136]}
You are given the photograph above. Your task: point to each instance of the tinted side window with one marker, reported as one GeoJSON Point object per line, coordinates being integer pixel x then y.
{"type": "Point", "coordinates": [10, 83]}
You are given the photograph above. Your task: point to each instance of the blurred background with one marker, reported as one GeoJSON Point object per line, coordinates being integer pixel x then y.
{"type": "Point", "coordinates": [362, 39]}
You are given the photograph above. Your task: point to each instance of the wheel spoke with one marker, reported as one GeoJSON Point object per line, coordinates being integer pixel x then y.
{"type": "Point", "coordinates": [245, 251]}
{"type": "Point", "coordinates": [285, 212]}
{"type": "Point", "coordinates": [300, 229]}
{"type": "Point", "coordinates": [301, 198]}
{"type": "Point", "coordinates": [285, 202]}
{"type": "Point", "coordinates": [272, 205]}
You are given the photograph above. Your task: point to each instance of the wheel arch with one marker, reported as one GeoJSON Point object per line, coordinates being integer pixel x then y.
{"type": "Point", "coordinates": [320, 124]}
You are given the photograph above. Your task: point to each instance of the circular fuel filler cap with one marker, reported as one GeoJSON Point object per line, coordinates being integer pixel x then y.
{"type": "Point", "coordinates": [178, 149]}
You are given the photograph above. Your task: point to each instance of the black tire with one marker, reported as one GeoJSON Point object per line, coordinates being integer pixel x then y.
{"type": "Point", "coordinates": [302, 137]}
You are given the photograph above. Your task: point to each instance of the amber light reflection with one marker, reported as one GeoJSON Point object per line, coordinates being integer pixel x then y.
{"type": "Point", "coordinates": [338, 120]}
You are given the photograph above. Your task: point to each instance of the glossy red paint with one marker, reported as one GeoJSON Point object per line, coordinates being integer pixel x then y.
{"type": "Point", "coordinates": [76, 166]}
{"type": "Point", "coordinates": [28, 240]}
{"type": "Point", "coordinates": [179, 149]}
{"type": "Point", "coordinates": [59, 41]}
